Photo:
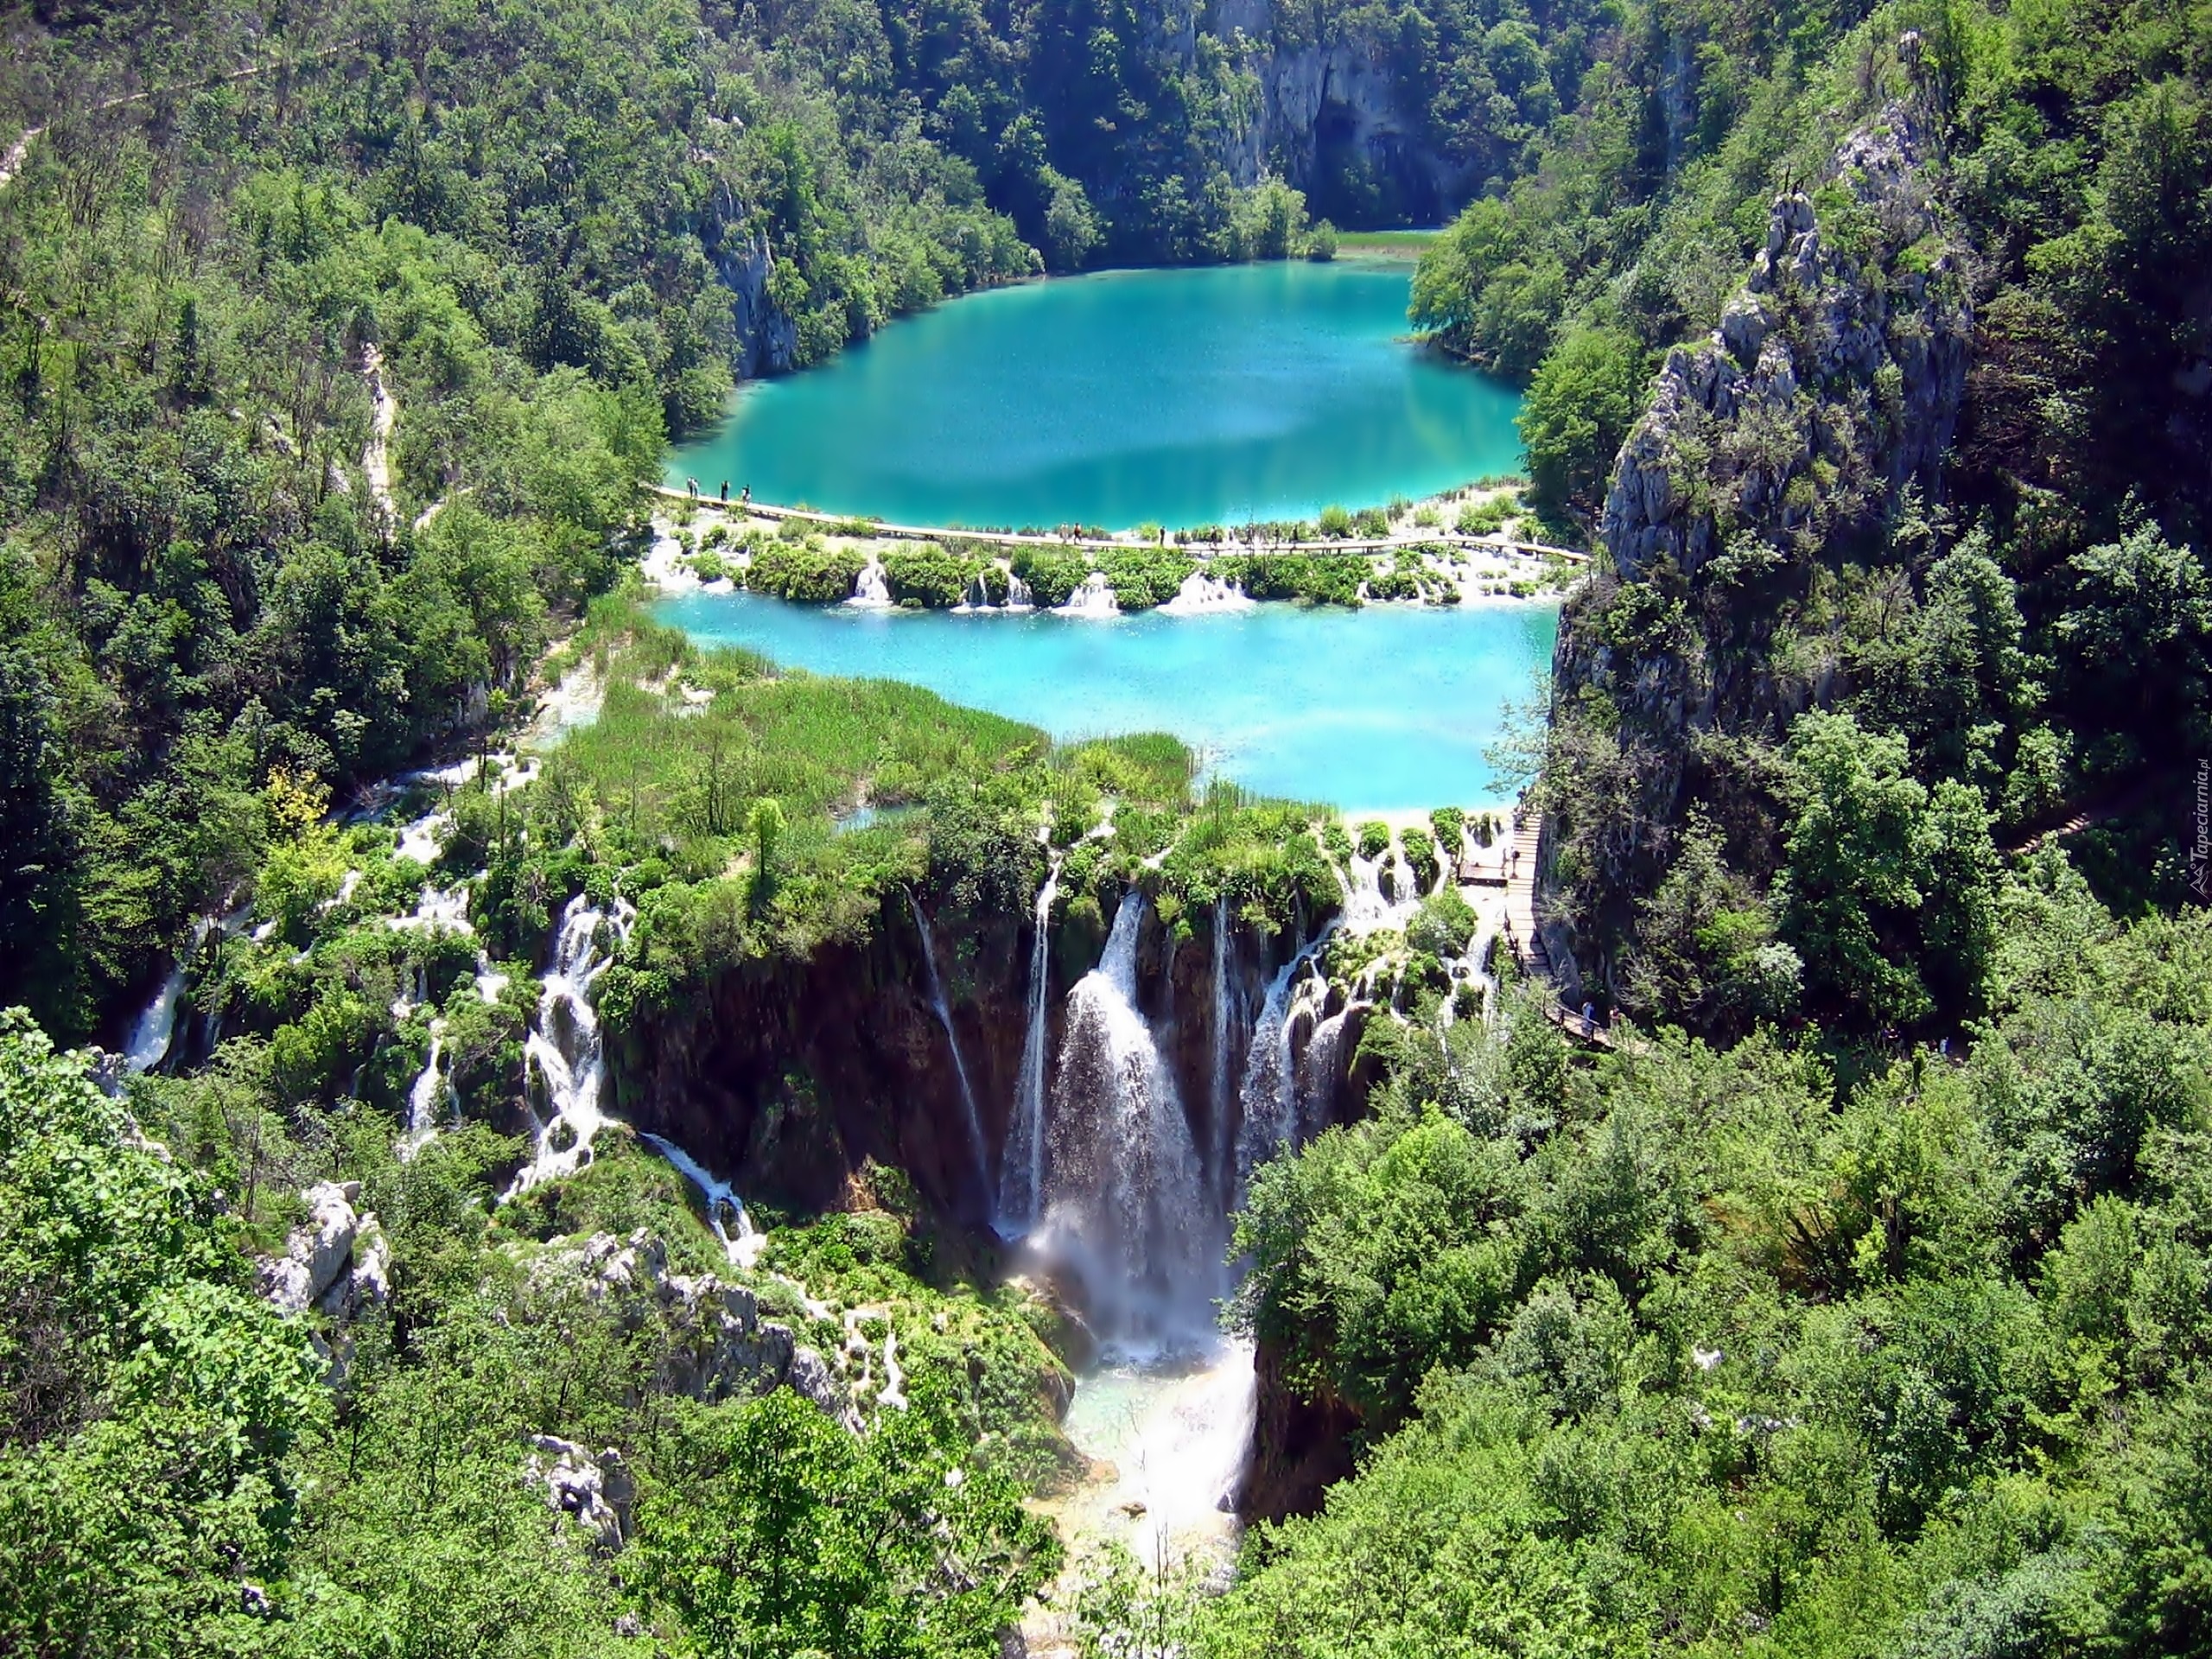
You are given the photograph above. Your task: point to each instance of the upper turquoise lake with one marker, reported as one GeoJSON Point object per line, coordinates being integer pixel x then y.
{"type": "Point", "coordinates": [1222, 395]}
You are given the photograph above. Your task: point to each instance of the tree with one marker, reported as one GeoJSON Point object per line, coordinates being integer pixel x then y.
{"type": "Point", "coordinates": [1579, 410]}
{"type": "Point", "coordinates": [1886, 888]}
{"type": "Point", "coordinates": [776, 1532]}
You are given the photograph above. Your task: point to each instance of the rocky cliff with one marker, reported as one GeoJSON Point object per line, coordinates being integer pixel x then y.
{"type": "Point", "coordinates": [1330, 104]}
{"type": "Point", "coordinates": [796, 1074]}
{"type": "Point", "coordinates": [1790, 441]}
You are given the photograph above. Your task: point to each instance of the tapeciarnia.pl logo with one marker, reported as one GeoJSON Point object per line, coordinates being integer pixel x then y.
{"type": "Point", "coordinates": [2199, 852]}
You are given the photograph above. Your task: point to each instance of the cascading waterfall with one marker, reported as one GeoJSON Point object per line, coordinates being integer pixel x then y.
{"type": "Point", "coordinates": [725, 1213]}
{"type": "Point", "coordinates": [1224, 1019]}
{"type": "Point", "coordinates": [565, 1050]}
{"type": "Point", "coordinates": [871, 589]}
{"type": "Point", "coordinates": [155, 1029]}
{"type": "Point", "coordinates": [1093, 597]}
{"type": "Point", "coordinates": [1124, 1199]}
{"type": "Point", "coordinates": [974, 1121]}
{"type": "Point", "coordinates": [432, 1090]}
{"type": "Point", "coordinates": [1018, 597]}
{"type": "Point", "coordinates": [1201, 594]}
{"type": "Point", "coordinates": [1021, 1174]}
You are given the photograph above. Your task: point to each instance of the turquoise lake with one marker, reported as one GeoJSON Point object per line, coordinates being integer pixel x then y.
{"type": "Point", "coordinates": [1380, 709]}
{"type": "Point", "coordinates": [1222, 395]}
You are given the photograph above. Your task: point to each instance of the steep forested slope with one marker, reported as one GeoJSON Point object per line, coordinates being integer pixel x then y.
{"type": "Point", "coordinates": [1929, 451]}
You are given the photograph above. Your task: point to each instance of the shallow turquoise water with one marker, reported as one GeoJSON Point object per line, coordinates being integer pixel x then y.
{"type": "Point", "coordinates": [1177, 397]}
{"type": "Point", "coordinates": [1385, 707]}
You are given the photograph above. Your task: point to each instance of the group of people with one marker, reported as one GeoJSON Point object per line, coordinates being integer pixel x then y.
{"type": "Point", "coordinates": [745, 496]}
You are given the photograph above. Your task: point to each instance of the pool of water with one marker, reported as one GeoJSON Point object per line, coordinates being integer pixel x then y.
{"type": "Point", "coordinates": [1386, 708]}
{"type": "Point", "coordinates": [1222, 395]}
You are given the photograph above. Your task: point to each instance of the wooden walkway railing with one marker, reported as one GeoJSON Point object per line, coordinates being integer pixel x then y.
{"type": "Point", "coordinates": [1196, 549]}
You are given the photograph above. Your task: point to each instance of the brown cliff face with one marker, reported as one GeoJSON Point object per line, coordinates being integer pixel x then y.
{"type": "Point", "coordinates": [1300, 1446]}
{"type": "Point", "coordinates": [1788, 443]}
{"type": "Point", "coordinates": [791, 1075]}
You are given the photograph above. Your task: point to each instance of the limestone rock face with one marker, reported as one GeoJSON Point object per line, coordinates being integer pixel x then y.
{"type": "Point", "coordinates": [767, 339]}
{"type": "Point", "coordinates": [1828, 373]}
{"type": "Point", "coordinates": [316, 1257]}
{"type": "Point", "coordinates": [1786, 440]}
{"type": "Point", "coordinates": [721, 1347]}
{"type": "Point", "coordinates": [595, 1489]}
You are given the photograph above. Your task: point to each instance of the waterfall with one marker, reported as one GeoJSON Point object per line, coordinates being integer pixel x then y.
{"type": "Point", "coordinates": [1201, 594]}
{"type": "Point", "coordinates": [431, 1090]}
{"type": "Point", "coordinates": [1222, 1014]}
{"type": "Point", "coordinates": [1093, 597]}
{"type": "Point", "coordinates": [155, 1029]}
{"type": "Point", "coordinates": [1018, 596]}
{"type": "Point", "coordinates": [1021, 1176]}
{"type": "Point", "coordinates": [742, 1240]}
{"type": "Point", "coordinates": [975, 596]}
{"type": "Point", "coordinates": [870, 589]}
{"type": "Point", "coordinates": [952, 1038]}
{"type": "Point", "coordinates": [565, 1050]}
{"type": "Point", "coordinates": [150, 1035]}
{"type": "Point", "coordinates": [1125, 1202]}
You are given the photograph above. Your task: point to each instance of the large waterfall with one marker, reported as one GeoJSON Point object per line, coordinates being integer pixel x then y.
{"type": "Point", "coordinates": [1021, 1173]}
{"type": "Point", "coordinates": [975, 1122]}
{"type": "Point", "coordinates": [1125, 1203]}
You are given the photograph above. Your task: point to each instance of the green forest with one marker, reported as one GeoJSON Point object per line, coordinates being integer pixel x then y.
{"type": "Point", "coordinates": [1853, 1297]}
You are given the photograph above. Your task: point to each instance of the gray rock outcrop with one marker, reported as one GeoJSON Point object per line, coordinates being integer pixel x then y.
{"type": "Point", "coordinates": [338, 1261]}
{"type": "Point", "coordinates": [1831, 382]}
{"type": "Point", "coordinates": [1790, 440]}
{"type": "Point", "coordinates": [595, 1489]}
{"type": "Point", "coordinates": [719, 1346]}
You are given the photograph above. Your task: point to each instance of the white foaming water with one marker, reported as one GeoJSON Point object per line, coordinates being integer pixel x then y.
{"type": "Point", "coordinates": [1021, 1174]}
{"type": "Point", "coordinates": [1093, 597]}
{"type": "Point", "coordinates": [1017, 593]}
{"type": "Point", "coordinates": [432, 1090]}
{"type": "Point", "coordinates": [960, 1066]}
{"type": "Point", "coordinates": [1202, 595]}
{"type": "Point", "coordinates": [1224, 1019]}
{"type": "Point", "coordinates": [741, 1242]}
{"type": "Point", "coordinates": [154, 1030]}
{"type": "Point", "coordinates": [1175, 1434]}
{"type": "Point", "coordinates": [565, 1050]}
{"type": "Point", "coordinates": [871, 589]}
{"type": "Point", "coordinates": [1125, 1204]}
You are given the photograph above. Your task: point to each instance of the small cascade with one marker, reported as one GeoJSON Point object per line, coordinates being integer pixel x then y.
{"type": "Point", "coordinates": [725, 1213]}
{"type": "Point", "coordinates": [1224, 1019]}
{"type": "Point", "coordinates": [1202, 594]}
{"type": "Point", "coordinates": [1021, 1176]}
{"type": "Point", "coordinates": [1018, 597]}
{"type": "Point", "coordinates": [974, 597]}
{"type": "Point", "coordinates": [565, 1051]}
{"type": "Point", "coordinates": [432, 1091]}
{"type": "Point", "coordinates": [1125, 1202]}
{"type": "Point", "coordinates": [1093, 597]}
{"type": "Point", "coordinates": [1269, 1101]}
{"type": "Point", "coordinates": [871, 588]}
{"type": "Point", "coordinates": [952, 1038]}
{"type": "Point", "coordinates": [155, 1029]}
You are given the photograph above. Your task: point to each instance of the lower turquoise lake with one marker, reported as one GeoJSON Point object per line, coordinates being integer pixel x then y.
{"type": "Point", "coordinates": [1386, 708]}
{"type": "Point", "coordinates": [1222, 395]}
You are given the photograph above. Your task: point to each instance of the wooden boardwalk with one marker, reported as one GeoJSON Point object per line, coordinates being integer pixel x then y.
{"type": "Point", "coordinates": [1442, 538]}
{"type": "Point", "coordinates": [1526, 938]}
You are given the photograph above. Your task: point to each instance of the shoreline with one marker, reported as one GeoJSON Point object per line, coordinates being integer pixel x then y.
{"type": "Point", "coordinates": [767, 516]}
